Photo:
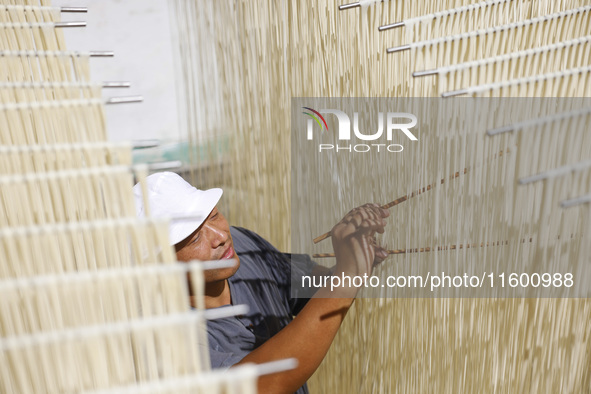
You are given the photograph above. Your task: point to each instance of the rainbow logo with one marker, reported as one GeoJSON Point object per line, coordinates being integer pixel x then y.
{"type": "Point", "coordinates": [315, 118]}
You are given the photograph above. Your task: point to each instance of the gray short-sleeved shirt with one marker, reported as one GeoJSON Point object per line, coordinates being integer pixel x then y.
{"type": "Point", "coordinates": [263, 283]}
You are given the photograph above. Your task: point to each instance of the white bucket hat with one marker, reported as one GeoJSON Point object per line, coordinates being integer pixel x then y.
{"type": "Point", "coordinates": [170, 196]}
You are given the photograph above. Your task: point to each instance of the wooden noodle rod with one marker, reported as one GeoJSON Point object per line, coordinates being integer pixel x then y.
{"type": "Point", "coordinates": [433, 249]}
{"type": "Point", "coordinates": [168, 384]}
{"type": "Point", "coordinates": [25, 25]}
{"type": "Point", "coordinates": [110, 273]}
{"type": "Point", "coordinates": [400, 200]}
{"type": "Point", "coordinates": [144, 323]}
{"type": "Point", "coordinates": [18, 7]}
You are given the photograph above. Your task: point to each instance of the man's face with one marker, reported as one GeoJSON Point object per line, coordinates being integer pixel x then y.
{"type": "Point", "coordinates": [211, 241]}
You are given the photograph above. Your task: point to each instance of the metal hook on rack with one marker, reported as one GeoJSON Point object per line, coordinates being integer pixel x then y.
{"type": "Point", "coordinates": [441, 14]}
{"type": "Point", "coordinates": [576, 201]}
{"type": "Point", "coordinates": [538, 121]}
{"type": "Point", "coordinates": [17, 25]}
{"type": "Point", "coordinates": [518, 81]}
{"type": "Point", "coordinates": [357, 4]}
{"type": "Point", "coordinates": [491, 30]}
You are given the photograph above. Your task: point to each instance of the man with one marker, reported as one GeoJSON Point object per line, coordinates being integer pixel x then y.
{"type": "Point", "coordinates": [261, 279]}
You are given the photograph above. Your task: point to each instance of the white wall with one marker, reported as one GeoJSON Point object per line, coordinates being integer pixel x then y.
{"type": "Point", "coordinates": [138, 31]}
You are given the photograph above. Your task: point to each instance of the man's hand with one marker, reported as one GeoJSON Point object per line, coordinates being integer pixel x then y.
{"type": "Point", "coordinates": [310, 334]}
{"type": "Point", "coordinates": [353, 240]}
